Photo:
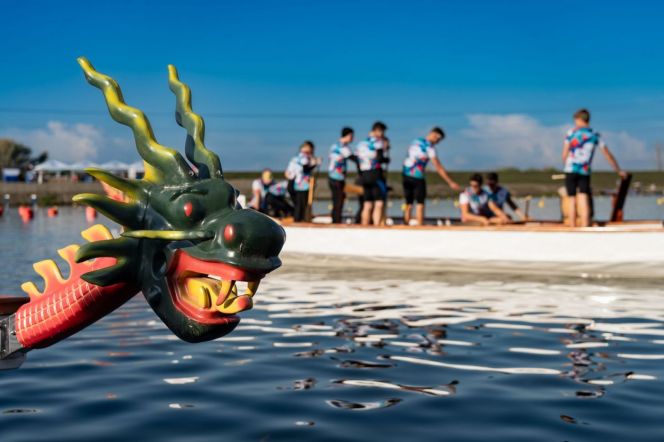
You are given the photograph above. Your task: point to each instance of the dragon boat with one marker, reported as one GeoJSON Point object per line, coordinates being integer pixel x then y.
{"type": "Point", "coordinates": [619, 250]}
{"type": "Point", "coordinates": [186, 244]}
{"type": "Point", "coordinates": [612, 248]}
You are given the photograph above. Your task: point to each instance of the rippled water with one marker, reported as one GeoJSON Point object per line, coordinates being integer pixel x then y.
{"type": "Point", "coordinates": [351, 356]}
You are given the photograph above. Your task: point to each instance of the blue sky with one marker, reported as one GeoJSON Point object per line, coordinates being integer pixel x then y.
{"type": "Point", "coordinates": [502, 77]}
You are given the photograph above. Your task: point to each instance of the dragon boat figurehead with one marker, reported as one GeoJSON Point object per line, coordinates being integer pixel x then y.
{"type": "Point", "coordinates": [194, 252]}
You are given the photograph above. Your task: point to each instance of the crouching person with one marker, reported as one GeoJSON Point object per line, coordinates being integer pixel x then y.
{"type": "Point", "coordinates": [269, 196]}
{"type": "Point", "coordinates": [477, 206]}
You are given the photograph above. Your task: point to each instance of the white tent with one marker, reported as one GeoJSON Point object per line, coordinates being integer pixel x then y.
{"type": "Point", "coordinates": [52, 166]}
{"type": "Point", "coordinates": [115, 166]}
{"type": "Point", "coordinates": [80, 166]}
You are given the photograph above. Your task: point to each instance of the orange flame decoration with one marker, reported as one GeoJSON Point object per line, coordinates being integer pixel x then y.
{"type": "Point", "coordinates": [48, 269]}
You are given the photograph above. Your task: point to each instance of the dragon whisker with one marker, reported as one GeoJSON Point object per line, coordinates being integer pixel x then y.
{"type": "Point", "coordinates": [169, 235]}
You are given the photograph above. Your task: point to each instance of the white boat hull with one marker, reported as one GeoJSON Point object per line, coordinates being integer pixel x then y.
{"type": "Point", "coordinates": [637, 251]}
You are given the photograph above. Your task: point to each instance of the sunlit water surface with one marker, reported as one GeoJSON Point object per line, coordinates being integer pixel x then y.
{"type": "Point", "coordinates": [350, 356]}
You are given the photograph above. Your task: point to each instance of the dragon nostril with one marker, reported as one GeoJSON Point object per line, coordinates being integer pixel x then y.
{"type": "Point", "coordinates": [229, 234]}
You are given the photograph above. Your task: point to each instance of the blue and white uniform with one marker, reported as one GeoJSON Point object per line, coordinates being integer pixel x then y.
{"type": "Point", "coordinates": [299, 170]}
{"type": "Point", "coordinates": [418, 155]}
{"type": "Point", "coordinates": [582, 144]}
{"type": "Point", "coordinates": [339, 154]}
{"type": "Point", "coordinates": [500, 196]}
{"type": "Point", "coordinates": [477, 203]}
{"type": "Point", "coordinates": [367, 153]}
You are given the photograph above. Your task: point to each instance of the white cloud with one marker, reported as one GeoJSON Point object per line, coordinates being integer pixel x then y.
{"type": "Point", "coordinates": [521, 141]}
{"type": "Point", "coordinates": [64, 142]}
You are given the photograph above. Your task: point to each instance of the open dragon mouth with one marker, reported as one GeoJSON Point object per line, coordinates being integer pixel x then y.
{"type": "Point", "coordinates": [211, 292]}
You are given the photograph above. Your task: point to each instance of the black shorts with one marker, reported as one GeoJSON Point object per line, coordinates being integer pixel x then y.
{"type": "Point", "coordinates": [414, 189]}
{"type": "Point", "coordinates": [374, 185]}
{"type": "Point", "coordinates": [574, 181]}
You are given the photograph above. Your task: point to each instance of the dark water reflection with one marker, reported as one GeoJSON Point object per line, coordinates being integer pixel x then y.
{"type": "Point", "coordinates": [353, 356]}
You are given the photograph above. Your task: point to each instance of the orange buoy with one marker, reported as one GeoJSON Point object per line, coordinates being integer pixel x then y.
{"type": "Point", "coordinates": [52, 212]}
{"type": "Point", "coordinates": [90, 214]}
{"type": "Point", "coordinates": [26, 213]}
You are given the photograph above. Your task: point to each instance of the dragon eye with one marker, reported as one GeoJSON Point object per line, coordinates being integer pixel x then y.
{"type": "Point", "coordinates": [188, 208]}
{"type": "Point", "coordinates": [229, 233]}
{"type": "Point", "coordinates": [191, 211]}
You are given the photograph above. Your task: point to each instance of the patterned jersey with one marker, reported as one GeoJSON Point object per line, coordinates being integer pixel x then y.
{"type": "Point", "coordinates": [500, 196]}
{"type": "Point", "coordinates": [339, 154]}
{"type": "Point", "coordinates": [367, 153]}
{"type": "Point", "coordinates": [275, 188]}
{"type": "Point", "coordinates": [296, 171]}
{"type": "Point", "coordinates": [419, 153]}
{"type": "Point", "coordinates": [582, 143]}
{"type": "Point", "coordinates": [477, 203]}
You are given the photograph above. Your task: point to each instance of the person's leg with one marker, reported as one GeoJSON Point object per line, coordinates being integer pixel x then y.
{"type": "Point", "coordinates": [378, 212]}
{"type": "Point", "coordinates": [336, 187]}
{"type": "Point", "coordinates": [419, 211]}
{"type": "Point", "coordinates": [301, 205]}
{"type": "Point", "coordinates": [360, 208]}
{"type": "Point", "coordinates": [584, 200]}
{"type": "Point", "coordinates": [420, 197]}
{"type": "Point", "coordinates": [367, 209]}
{"type": "Point", "coordinates": [407, 213]}
{"type": "Point", "coordinates": [570, 187]}
{"type": "Point", "coordinates": [382, 197]}
{"type": "Point", "coordinates": [278, 205]}
{"type": "Point", "coordinates": [584, 209]}
{"type": "Point", "coordinates": [297, 206]}
{"type": "Point", "coordinates": [409, 197]}
{"type": "Point", "coordinates": [291, 190]}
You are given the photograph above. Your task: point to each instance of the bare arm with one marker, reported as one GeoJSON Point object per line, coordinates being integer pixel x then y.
{"type": "Point", "coordinates": [510, 202]}
{"type": "Point", "coordinates": [256, 200]}
{"type": "Point", "coordinates": [502, 216]}
{"type": "Point", "coordinates": [443, 173]}
{"type": "Point", "coordinates": [613, 162]}
{"type": "Point", "coordinates": [468, 216]}
{"type": "Point", "coordinates": [565, 150]}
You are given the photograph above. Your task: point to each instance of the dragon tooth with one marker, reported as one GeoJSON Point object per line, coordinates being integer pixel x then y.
{"type": "Point", "coordinates": [226, 288]}
{"type": "Point", "coordinates": [252, 286]}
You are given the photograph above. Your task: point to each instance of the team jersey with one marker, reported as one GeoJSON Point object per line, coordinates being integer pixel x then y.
{"type": "Point", "coordinates": [478, 203]}
{"type": "Point", "coordinates": [367, 153]}
{"type": "Point", "coordinates": [582, 143]}
{"type": "Point", "coordinates": [296, 171]}
{"type": "Point", "coordinates": [419, 153]}
{"type": "Point", "coordinates": [500, 196]}
{"type": "Point", "coordinates": [339, 154]}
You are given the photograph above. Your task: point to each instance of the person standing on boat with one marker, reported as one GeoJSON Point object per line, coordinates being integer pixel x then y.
{"type": "Point", "coordinates": [372, 159]}
{"type": "Point", "coordinates": [477, 206]}
{"type": "Point", "coordinates": [269, 196]}
{"type": "Point", "coordinates": [299, 172]}
{"type": "Point", "coordinates": [420, 152]}
{"type": "Point", "coordinates": [578, 151]}
{"type": "Point", "coordinates": [501, 196]}
{"type": "Point", "coordinates": [340, 153]}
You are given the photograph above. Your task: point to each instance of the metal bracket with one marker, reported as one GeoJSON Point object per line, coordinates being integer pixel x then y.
{"type": "Point", "coordinates": [12, 353]}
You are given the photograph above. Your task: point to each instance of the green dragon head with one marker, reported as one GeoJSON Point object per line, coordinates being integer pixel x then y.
{"type": "Point", "coordinates": [187, 243]}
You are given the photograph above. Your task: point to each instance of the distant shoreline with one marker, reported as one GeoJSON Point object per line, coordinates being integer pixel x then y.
{"type": "Point", "coordinates": [521, 183]}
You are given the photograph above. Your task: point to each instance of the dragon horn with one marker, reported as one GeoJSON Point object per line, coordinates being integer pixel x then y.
{"type": "Point", "coordinates": [129, 187]}
{"type": "Point", "coordinates": [127, 214]}
{"type": "Point", "coordinates": [162, 164]}
{"type": "Point", "coordinates": [207, 162]}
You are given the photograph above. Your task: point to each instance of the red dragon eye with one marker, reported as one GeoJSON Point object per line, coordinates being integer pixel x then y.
{"type": "Point", "coordinates": [229, 233]}
{"type": "Point", "coordinates": [188, 208]}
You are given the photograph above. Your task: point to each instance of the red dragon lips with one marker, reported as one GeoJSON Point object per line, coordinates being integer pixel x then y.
{"type": "Point", "coordinates": [208, 291]}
